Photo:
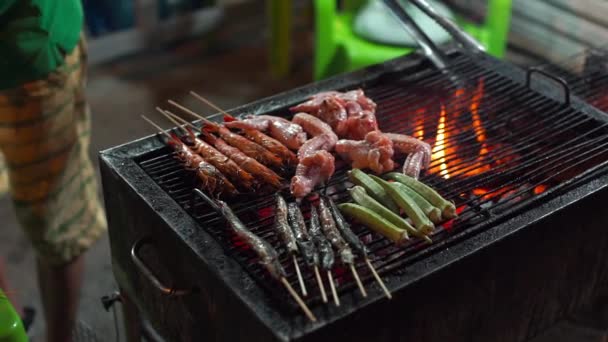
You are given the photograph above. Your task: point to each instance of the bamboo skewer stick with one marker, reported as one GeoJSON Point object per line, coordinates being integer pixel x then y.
{"type": "Point", "coordinates": [320, 282]}
{"type": "Point", "coordinates": [378, 279]}
{"type": "Point", "coordinates": [358, 280]}
{"type": "Point", "coordinates": [300, 279]}
{"type": "Point", "coordinates": [209, 103]}
{"type": "Point", "coordinates": [189, 111]}
{"type": "Point", "coordinates": [299, 300]}
{"type": "Point", "coordinates": [161, 130]}
{"type": "Point", "coordinates": [166, 114]}
{"type": "Point", "coordinates": [333, 288]}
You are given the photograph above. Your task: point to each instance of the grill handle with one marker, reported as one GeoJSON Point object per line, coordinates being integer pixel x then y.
{"type": "Point", "coordinates": [145, 270]}
{"type": "Point", "coordinates": [559, 80]}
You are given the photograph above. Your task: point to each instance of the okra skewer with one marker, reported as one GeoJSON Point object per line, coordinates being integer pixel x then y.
{"type": "Point", "coordinates": [326, 254]}
{"type": "Point", "coordinates": [306, 243]}
{"type": "Point", "coordinates": [432, 212]}
{"type": "Point", "coordinates": [373, 188]}
{"type": "Point", "coordinates": [409, 206]}
{"type": "Point", "coordinates": [448, 209]}
{"type": "Point", "coordinates": [374, 222]}
{"type": "Point", "coordinates": [281, 225]}
{"type": "Point", "coordinates": [333, 235]}
{"type": "Point", "coordinates": [359, 195]}
{"type": "Point", "coordinates": [356, 243]}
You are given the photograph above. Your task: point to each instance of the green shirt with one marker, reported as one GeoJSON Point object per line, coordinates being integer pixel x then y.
{"type": "Point", "coordinates": [35, 36]}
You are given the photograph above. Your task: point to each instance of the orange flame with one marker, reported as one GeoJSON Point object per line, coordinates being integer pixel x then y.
{"type": "Point", "coordinates": [539, 189]}
{"type": "Point", "coordinates": [438, 152]}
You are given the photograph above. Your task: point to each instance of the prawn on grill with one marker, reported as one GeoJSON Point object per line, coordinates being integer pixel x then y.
{"type": "Point", "coordinates": [247, 146]}
{"type": "Point", "coordinates": [210, 178]}
{"type": "Point", "coordinates": [244, 161]}
{"type": "Point", "coordinates": [288, 133]}
{"type": "Point", "coordinates": [221, 162]}
{"type": "Point", "coordinates": [272, 145]}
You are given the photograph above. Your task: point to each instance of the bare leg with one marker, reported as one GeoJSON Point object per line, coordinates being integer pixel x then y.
{"type": "Point", "coordinates": [12, 297]}
{"type": "Point", "coordinates": [60, 289]}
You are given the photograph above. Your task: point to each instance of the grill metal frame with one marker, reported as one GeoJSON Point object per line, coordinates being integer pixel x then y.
{"type": "Point", "coordinates": [125, 181]}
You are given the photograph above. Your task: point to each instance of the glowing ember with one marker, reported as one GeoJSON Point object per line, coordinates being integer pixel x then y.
{"type": "Point", "coordinates": [438, 152]}
{"type": "Point", "coordinates": [539, 189]}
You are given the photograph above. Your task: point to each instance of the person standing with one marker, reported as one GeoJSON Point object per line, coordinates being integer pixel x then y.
{"type": "Point", "coordinates": [44, 141]}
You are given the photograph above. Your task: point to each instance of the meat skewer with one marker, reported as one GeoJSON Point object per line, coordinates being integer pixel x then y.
{"type": "Point", "coordinates": [333, 235]}
{"type": "Point", "coordinates": [326, 254]}
{"type": "Point", "coordinates": [355, 243]}
{"type": "Point", "coordinates": [281, 225]}
{"type": "Point", "coordinates": [247, 146]}
{"type": "Point", "coordinates": [216, 158]}
{"type": "Point", "coordinates": [210, 177]}
{"type": "Point", "coordinates": [374, 153]}
{"type": "Point", "coordinates": [316, 163]}
{"type": "Point", "coordinates": [419, 153]}
{"type": "Point", "coordinates": [306, 244]}
{"type": "Point", "coordinates": [268, 256]}
{"type": "Point", "coordinates": [247, 163]}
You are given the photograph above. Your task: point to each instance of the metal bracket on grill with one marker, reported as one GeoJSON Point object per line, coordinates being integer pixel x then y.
{"type": "Point", "coordinates": [559, 80]}
{"type": "Point", "coordinates": [145, 270]}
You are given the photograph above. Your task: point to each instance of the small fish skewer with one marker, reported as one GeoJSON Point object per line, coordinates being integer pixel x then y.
{"type": "Point", "coordinates": [355, 243]}
{"type": "Point", "coordinates": [269, 258]}
{"type": "Point", "coordinates": [326, 254]}
{"type": "Point", "coordinates": [286, 235]}
{"type": "Point", "coordinates": [306, 243]}
{"type": "Point", "coordinates": [333, 235]}
{"type": "Point", "coordinates": [333, 288]}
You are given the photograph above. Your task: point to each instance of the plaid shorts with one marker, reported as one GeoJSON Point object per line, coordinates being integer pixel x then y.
{"type": "Point", "coordinates": [44, 164]}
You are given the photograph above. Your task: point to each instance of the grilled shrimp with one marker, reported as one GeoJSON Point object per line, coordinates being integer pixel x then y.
{"type": "Point", "coordinates": [248, 147]}
{"type": "Point", "coordinates": [212, 180]}
{"type": "Point", "coordinates": [272, 145]}
{"type": "Point", "coordinates": [241, 159]}
{"type": "Point", "coordinates": [226, 166]}
{"type": "Point", "coordinates": [285, 131]}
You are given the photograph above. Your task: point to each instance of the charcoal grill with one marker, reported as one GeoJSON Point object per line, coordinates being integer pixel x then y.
{"type": "Point", "coordinates": [524, 160]}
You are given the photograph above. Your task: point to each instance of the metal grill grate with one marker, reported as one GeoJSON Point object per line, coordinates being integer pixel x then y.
{"type": "Point", "coordinates": [501, 147]}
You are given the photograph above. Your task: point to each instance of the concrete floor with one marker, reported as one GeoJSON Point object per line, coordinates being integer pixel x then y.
{"type": "Point", "coordinates": [230, 70]}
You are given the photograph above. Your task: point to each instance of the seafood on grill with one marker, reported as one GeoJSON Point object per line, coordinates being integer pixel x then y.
{"type": "Point", "coordinates": [326, 253]}
{"type": "Point", "coordinates": [266, 254]}
{"type": "Point", "coordinates": [281, 225]}
{"type": "Point", "coordinates": [375, 152]}
{"type": "Point", "coordinates": [244, 161]}
{"type": "Point", "coordinates": [262, 174]}
{"type": "Point", "coordinates": [225, 165]}
{"type": "Point", "coordinates": [210, 178]}
{"type": "Point", "coordinates": [354, 241]}
{"type": "Point", "coordinates": [308, 245]}
{"type": "Point", "coordinates": [288, 133]}
{"type": "Point", "coordinates": [247, 146]}
{"type": "Point", "coordinates": [272, 145]}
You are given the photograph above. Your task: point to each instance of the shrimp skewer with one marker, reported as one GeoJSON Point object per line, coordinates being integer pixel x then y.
{"type": "Point", "coordinates": [247, 163]}
{"type": "Point", "coordinates": [255, 134]}
{"type": "Point", "coordinates": [247, 146]}
{"type": "Point", "coordinates": [216, 158]}
{"type": "Point", "coordinates": [212, 180]}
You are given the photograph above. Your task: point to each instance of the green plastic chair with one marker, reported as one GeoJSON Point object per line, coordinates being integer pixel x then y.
{"type": "Point", "coordinates": [11, 327]}
{"type": "Point", "coordinates": [338, 49]}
